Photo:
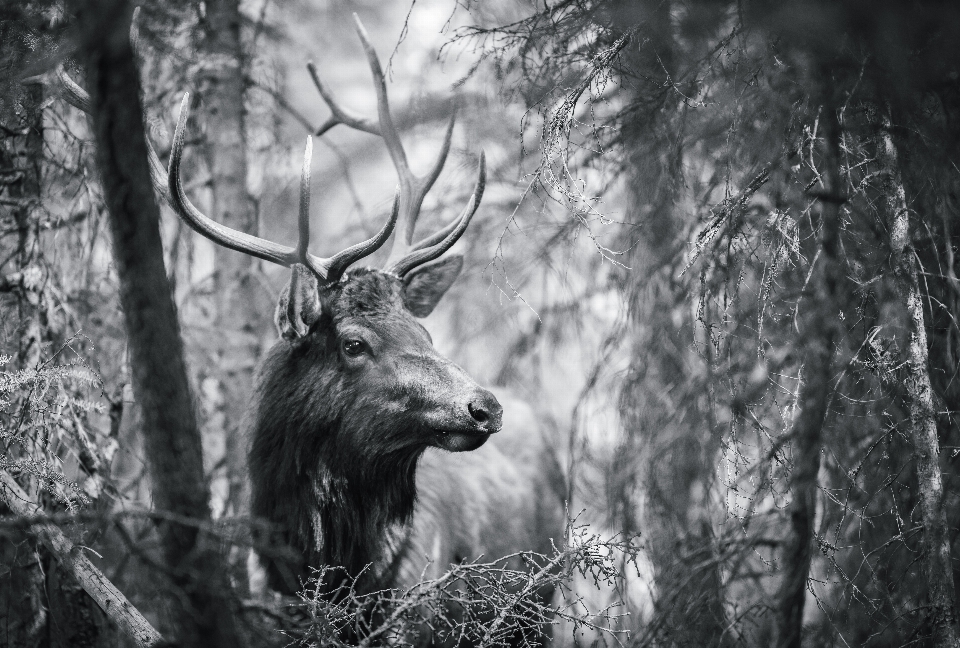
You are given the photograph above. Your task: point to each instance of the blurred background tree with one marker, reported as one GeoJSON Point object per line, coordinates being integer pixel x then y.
{"type": "Point", "coordinates": [716, 254]}
{"type": "Point", "coordinates": [771, 317]}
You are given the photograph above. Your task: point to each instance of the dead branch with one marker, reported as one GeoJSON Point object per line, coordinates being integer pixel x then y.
{"type": "Point", "coordinates": [111, 600]}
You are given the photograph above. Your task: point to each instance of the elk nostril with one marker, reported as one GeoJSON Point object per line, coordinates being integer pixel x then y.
{"type": "Point", "coordinates": [479, 414]}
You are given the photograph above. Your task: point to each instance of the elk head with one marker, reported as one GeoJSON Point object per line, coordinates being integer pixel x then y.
{"type": "Point", "coordinates": [366, 319]}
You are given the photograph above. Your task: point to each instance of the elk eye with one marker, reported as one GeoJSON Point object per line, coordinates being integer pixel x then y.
{"type": "Point", "coordinates": [353, 348]}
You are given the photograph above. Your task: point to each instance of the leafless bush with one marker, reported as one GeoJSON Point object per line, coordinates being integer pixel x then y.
{"type": "Point", "coordinates": [515, 600]}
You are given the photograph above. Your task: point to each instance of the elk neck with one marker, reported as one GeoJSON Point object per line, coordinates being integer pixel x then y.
{"type": "Point", "coordinates": [320, 475]}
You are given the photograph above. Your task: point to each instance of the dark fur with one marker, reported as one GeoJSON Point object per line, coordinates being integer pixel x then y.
{"type": "Point", "coordinates": [334, 452]}
{"type": "Point", "coordinates": [342, 442]}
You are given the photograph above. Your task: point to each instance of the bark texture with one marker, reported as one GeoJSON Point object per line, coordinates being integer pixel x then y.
{"type": "Point", "coordinates": [239, 321]}
{"type": "Point", "coordinates": [819, 333]}
{"type": "Point", "coordinates": [23, 608]}
{"type": "Point", "coordinates": [27, 157]}
{"type": "Point", "coordinates": [202, 612]}
{"type": "Point", "coordinates": [937, 564]}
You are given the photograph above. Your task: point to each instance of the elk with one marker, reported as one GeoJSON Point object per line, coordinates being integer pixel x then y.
{"type": "Point", "coordinates": [355, 414]}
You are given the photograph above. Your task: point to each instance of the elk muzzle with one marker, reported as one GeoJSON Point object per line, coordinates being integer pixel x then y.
{"type": "Point", "coordinates": [471, 422]}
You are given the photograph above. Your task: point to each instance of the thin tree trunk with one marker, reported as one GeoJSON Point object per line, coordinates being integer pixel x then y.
{"type": "Point", "coordinates": [678, 444]}
{"type": "Point", "coordinates": [818, 336]}
{"type": "Point", "coordinates": [937, 565]}
{"type": "Point", "coordinates": [203, 612]}
{"type": "Point", "coordinates": [67, 600]}
{"type": "Point", "coordinates": [239, 320]}
{"type": "Point", "coordinates": [27, 190]}
{"type": "Point", "coordinates": [23, 608]}
{"type": "Point", "coordinates": [44, 607]}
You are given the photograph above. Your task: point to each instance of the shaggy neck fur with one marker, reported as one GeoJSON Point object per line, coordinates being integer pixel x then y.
{"type": "Point", "coordinates": [329, 497]}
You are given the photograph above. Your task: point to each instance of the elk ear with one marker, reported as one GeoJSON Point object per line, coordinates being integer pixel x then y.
{"type": "Point", "coordinates": [299, 305]}
{"type": "Point", "coordinates": [424, 286]}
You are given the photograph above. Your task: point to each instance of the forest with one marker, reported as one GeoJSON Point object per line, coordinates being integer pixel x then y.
{"type": "Point", "coordinates": [705, 266]}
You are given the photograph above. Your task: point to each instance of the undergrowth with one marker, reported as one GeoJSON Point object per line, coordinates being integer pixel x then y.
{"type": "Point", "coordinates": [517, 600]}
{"type": "Point", "coordinates": [45, 429]}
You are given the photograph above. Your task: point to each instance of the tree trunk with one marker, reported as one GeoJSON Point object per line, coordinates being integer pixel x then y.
{"type": "Point", "coordinates": [678, 444]}
{"type": "Point", "coordinates": [203, 611]}
{"type": "Point", "coordinates": [23, 609]}
{"type": "Point", "coordinates": [27, 159]}
{"type": "Point", "coordinates": [937, 565]}
{"type": "Point", "coordinates": [239, 321]}
{"type": "Point", "coordinates": [819, 334]}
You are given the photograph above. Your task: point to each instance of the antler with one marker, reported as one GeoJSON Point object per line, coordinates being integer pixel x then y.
{"type": "Point", "coordinates": [326, 269]}
{"type": "Point", "coordinates": [169, 186]}
{"type": "Point", "coordinates": [405, 255]}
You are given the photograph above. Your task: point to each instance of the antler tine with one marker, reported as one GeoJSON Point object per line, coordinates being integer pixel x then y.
{"type": "Point", "coordinates": [387, 129]}
{"type": "Point", "coordinates": [426, 250]}
{"type": "Point", "coordinates": [303, 220]}
{"type": "Point", "coordinates": [225, 236]}
{"type": "Point", "coordinates": [431, 177]}
{"type": "Point", "coordinates": [327, 270]}
{"type": "Point", "coordinates": [437, 236]}
{"type": "Point", "coordinates": [340, 114]}
{"type": "Point", "coordinates": [169, 186]}
{"type": "Point", "coordinates": [413, 188]}
{"type": "Point", "coordinates": [77, 97]}
{"type": "Point", "coordinates": [135, 34]}
{"type": "Point", "coordinates": [333, 268]}
{"type": "Point", "coordinates": [340, 262]}
{"type": "Point", "coordinates": [72, 92]}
